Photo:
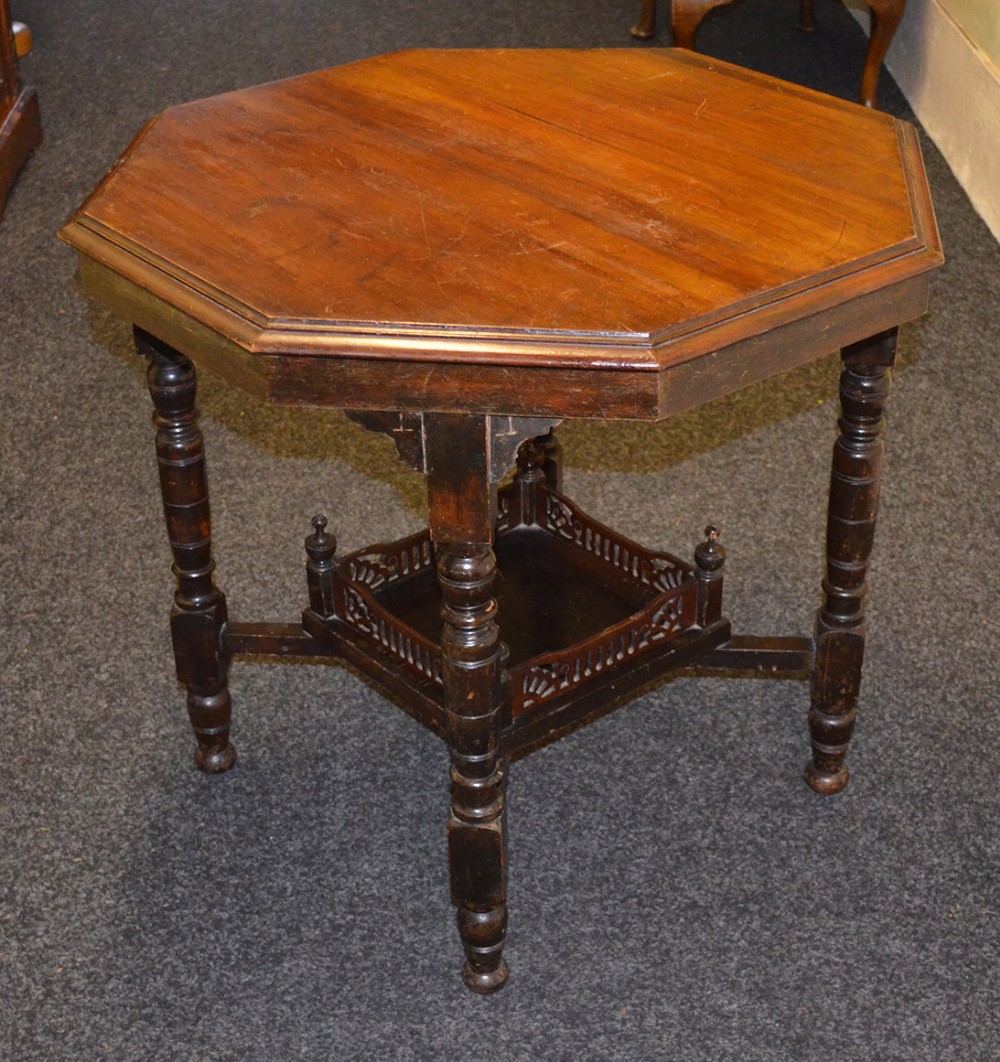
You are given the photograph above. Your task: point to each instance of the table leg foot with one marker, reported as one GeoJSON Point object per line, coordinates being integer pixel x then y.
{"type": "Point", "coordinates": [484, 935]}
{"type": "Point", "coordinates": [216, 762]}
{"type": "Point", "coordinates": [827, 784]}
{"type": "Point", "coordinates": [210, 717]}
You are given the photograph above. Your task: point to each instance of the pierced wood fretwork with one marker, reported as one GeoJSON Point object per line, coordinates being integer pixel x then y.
{"type": "Point", "coordinates": [508, 512]}
{"type": "Point", "coordinates": [538, 681]}
{"type": "Point", "coordinates": [384, 564]}
{"type": "Point", "coordinates": [367, 617]}
{"type": "Point", "coordinates": [360, 574]}
{"type": "Point", "coordinates": [655, 570]}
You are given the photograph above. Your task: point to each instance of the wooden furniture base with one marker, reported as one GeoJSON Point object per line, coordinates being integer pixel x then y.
{"type": "Point", "coordinates": [462, 249]}
{"type": "Point", "coordinates": [686, 17]}
{"type": "Point", "coordinates": [589, 616]}
{"type": "Point", "coordinates": [20, 119]}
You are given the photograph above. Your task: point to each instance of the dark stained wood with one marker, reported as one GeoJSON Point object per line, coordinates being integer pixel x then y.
{"type": "Point", "coordinates": [686, 17]}
{"type": "Point", "coordinates": [199, 613]}
{"type": "Point", "coordinates": [321, 546]}
{"type": "Point", "coordinates": [272, 639]}
{"type": "Point", "coordinates": [462, 248]}
{"type": "Point", "coordinates": [611, 688]}
{"type": "Point", "coordinates": [552, 460]}
{"type": "Point", "coordinates": [472, 659]}
{"type": "Point", "coordinates": [840, 624]}
{"type": "Point", "coordinates": [769, 656]}
{"type": "Point", "coordinates": [462, 513]}
{"type": "Point", "coordinates": [709, 558]}
{"type": "Point", "coordinates": [20, 119]}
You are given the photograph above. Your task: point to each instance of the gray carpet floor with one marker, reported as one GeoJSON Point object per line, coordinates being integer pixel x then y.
{"type": "Point", "coordinates": [677, 892]}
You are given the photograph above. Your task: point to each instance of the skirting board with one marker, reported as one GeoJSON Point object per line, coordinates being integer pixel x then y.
{"type": "Point", "coordinates": [954, 90]}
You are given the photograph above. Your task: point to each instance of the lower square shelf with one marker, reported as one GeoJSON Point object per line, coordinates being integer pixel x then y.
{"type": "Point", "coordinates": [585, 613]}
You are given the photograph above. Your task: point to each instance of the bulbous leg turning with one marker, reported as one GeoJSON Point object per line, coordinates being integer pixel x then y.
{"type": "Point", "coordinates": [484, 934]}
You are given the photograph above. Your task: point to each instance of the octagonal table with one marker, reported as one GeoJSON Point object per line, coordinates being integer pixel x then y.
{"type": "Point", "coordinates": [463, 248]}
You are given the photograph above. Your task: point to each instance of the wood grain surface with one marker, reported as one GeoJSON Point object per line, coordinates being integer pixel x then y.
{"type": "Point", "coordinates": [619, 209]}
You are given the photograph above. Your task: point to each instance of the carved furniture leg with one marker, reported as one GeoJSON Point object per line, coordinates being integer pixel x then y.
{"type": "Point", "coordinates": [646, 26]}
{"type": "Point", "coordinates": [685, 17]}
{"type": "Point", "coordinates": [199, 612]}
{"type": "Point", "coordinates": [885, 18]}
{"type": "Point", "coordinates": [807, 16]}
{"type": "Point", "coordinates": [462, 512]}
{"type": "Point", "coordinates": [840, 624]}
{"type": "Point", "coordinates": [552, 463]}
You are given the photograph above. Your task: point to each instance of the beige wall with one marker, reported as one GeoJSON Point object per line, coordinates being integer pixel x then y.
{"type": "Point", "coordinates": [946, 59]}
{"type": "Point", "coordinates": [980, 21]}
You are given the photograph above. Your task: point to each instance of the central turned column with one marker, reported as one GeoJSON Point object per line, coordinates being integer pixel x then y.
{"type": "Point", "coordinates": [462, 508]}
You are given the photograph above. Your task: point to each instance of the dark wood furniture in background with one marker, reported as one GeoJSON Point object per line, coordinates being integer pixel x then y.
{"type": "Point", "coordinates": [462, 249]}
{"type": "Point", "coordinates": [686, 16]}
{"type": "Point", "coordinates": [20, 121]}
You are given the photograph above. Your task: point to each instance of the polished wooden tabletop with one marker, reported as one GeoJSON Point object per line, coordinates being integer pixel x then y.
{"type": "Point", "coordinates": [615, 210]}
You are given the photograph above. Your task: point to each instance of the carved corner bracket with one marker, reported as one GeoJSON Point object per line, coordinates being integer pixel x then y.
{"type": "Point", "coordinates": [505, 434]}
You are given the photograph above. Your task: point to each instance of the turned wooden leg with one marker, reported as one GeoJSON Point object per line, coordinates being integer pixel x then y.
{"type": "Point", "coordinates": [885, 18]}
{"type": "Point", "coordinates": [646, 26]}
{"type": "Point", "coordinates": [199, 611]}
{"type": "Point", "coordinates": [538, 462]}
{"type": "Point", "coordinates": [807, 16]}
{"type": "Point", "coordinates": [840, 624]}
{"type": "Point", "coordinates": [552, 464]}
{"type": "Point", "coordinates": [462, 511]}
{"type": "Point", "coordinates": [476, 844]}
{"type": "Point", "coordinates": [686, 17]}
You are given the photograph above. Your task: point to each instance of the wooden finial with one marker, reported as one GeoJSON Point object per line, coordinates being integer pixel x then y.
{"type": "Point", "coordinates": [710, 555]}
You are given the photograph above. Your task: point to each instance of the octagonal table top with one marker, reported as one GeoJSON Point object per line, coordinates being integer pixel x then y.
{"type": "Point", "coordinates": [622, 209]}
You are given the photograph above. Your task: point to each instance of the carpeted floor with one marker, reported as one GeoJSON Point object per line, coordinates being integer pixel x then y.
{"type": "Point", "coordinates": [677, 892]}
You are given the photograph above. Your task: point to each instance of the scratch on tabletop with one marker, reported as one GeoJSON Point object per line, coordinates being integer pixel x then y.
{"type": "Point", "coordinates": [843, 229]}
{"type": "Point", "coordinates": [540, 248]}
{"type": "Point", "coordinates": [427, 238]}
